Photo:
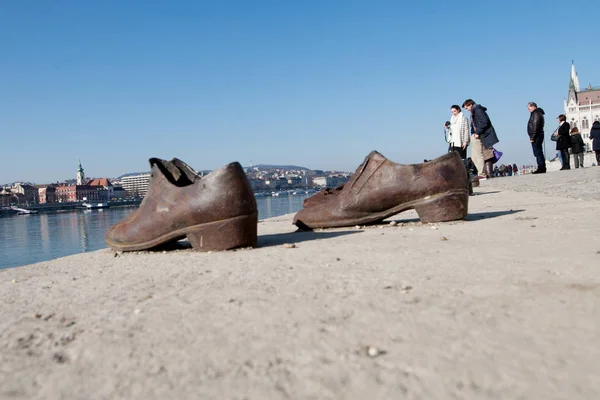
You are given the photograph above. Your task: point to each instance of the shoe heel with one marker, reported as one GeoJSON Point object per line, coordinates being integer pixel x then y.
{"type": "Point", "coordinates": [445, 207]}
{"type": "Point", "coordinates": [225, 235]}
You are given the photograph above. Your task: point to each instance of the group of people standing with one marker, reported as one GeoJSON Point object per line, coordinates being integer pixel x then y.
{"type": "Point", "coordinates": [479, 132]}
{"type": "Point", "coordinates": [506, 170]}
{"type": "Point", "coordinates": [566, 138]}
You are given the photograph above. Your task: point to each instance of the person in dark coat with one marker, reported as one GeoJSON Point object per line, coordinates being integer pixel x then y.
{"type": "Point", "coordinates": [595, 135]}
{"type": "Point", "coordinates": [563, 143]}
{"type": "Point", "coordinates": [577, 149]}
{"type": "Point", "coordinates": [482, 129]}
{"type": "Point", "coordinates": [535, 130]}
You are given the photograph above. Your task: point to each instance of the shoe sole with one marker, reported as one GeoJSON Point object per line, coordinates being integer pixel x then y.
{"type": "Point", "coordinates": [220, 235]}
{"type": "Point", "coordinates": [448, 206]}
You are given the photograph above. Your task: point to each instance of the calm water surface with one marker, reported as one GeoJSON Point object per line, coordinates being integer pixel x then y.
{"type": "Point", "coordinates": [28, 239]}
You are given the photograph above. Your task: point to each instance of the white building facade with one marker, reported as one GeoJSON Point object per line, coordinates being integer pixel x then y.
{"type": "Point", "coordinates": [136, 185]}
{"type": "Point", "coordinates": [329, 181]}
{"type": "Point", "coordinates": [582, 107]}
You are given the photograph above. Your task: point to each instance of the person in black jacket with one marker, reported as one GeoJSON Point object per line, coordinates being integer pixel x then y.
{"type": "Point", "coordinates": [535, 130]}
{"type": "Point", "coordinates": [482, 129]}
{"type": "Point", "coordinates": [563, 143]}
{"type": "Point", "coordinates": [595, 135]}
{"type": "Point", "coordinates": [577, 149]}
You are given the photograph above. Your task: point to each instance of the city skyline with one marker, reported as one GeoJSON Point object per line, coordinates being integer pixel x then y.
{"type": "Point", "coordinates": [261, 167]}
{"type": "Point", "coordinates": [311, 84]}
{"type": "Point", "coordinates": [148, 171]}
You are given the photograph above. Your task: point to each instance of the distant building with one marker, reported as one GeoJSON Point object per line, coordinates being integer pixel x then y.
{"type": "Point", "coordinates": [19, 193]}
{"type": "Point", "coordinates": [320, 181]}
{"type": "Point", "coordinates": [277, 183]}
{"type": "Point", "coordinates": [136, 185]}
{"type": "Point", "coordinates": [119, 192]}
{"type": "Point", "coordinates": [102, 183]}
{"type": "Point", "coordinates": [82, 191]}
{"type": "Point", "coordinates": [7, 198]}
{"type": "Point", "coordinates": [582, 107]}
{"type": "Point", "coordinates": [329, 181]}
{"type": "Point", "coordinates": [258, 184]}
{"type": "Point", "coordinates": [294, 181]}
{"type": "Point", "coordinates": [71, 193]}
{"type": "Point", "coordinates": [29, 192]}
{"type": "Point", "coordinates": [47, 194]}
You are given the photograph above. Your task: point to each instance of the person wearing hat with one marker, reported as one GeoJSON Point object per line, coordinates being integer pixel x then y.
{"type": "Point", "coordinates": [577, 149]}
{"type": "Point", "coordinates": [563, 143]}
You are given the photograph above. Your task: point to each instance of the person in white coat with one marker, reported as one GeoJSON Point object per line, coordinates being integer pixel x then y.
{"type": "Point", "coordinates": [458, 132]}
{"type": "Point", "coordinates": [458, 137]}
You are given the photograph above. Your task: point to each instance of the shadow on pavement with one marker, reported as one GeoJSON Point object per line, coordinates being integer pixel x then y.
{"type": "Point", "coordinates": [491, 214]}
{"type": "Point", "coordinates": [278, 239]}
{"type": "Point", "coordinates": [469, 217]}
{"type": "Point", "coordinates": [482, 193]}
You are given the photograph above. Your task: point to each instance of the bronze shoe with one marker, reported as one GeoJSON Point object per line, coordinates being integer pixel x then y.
{"type": "Point", "coordinates": [380, 188]}
{"type": "Point", "coordinates": [215, 212]}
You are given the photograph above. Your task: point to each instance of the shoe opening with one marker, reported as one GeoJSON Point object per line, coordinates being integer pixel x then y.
{"type": "Point", "coordinates": [176, 171]}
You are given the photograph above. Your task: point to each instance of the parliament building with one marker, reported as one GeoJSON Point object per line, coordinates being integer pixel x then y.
{"type": "Point", "coordinates": [582, 107]}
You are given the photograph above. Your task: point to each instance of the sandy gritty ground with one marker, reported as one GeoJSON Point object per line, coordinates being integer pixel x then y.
{"type": "Point", "coordinates": [503, 305]}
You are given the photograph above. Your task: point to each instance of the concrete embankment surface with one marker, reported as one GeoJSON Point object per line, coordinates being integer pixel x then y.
{"type": "Point", "coordinates": [503, 305]}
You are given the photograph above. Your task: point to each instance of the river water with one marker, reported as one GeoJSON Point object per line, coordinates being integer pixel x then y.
{"type": "Point", "coordinates": [28, 239]}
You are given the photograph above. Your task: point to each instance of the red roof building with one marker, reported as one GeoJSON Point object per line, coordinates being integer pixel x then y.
{"type": "Point", "coordinates": [103, 183]}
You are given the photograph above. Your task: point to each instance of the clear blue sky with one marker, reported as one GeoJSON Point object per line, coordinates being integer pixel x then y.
{"type": "Point", "coordinates": [312, 83]}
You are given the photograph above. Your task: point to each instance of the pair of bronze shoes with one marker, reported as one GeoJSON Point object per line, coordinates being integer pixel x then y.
{"type": "Point", "coordinates": [218, 211]}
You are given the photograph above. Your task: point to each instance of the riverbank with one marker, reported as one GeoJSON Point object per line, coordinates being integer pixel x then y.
{"type": "Point", "coordinates": [62, 207]}
{"type": "Point", "coordinates": [502, 305]}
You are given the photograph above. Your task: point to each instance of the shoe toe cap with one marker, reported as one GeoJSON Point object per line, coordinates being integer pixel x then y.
{"type": "Point", "coordinates": [302, 220]}
{"type": "Point", "coordinates": [117, 235]}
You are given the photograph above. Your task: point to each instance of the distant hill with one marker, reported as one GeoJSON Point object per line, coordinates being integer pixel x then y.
{"type": "Point", "coordinates": [269, 166]}
{"type": "Point", "coordinates": [259, 166]}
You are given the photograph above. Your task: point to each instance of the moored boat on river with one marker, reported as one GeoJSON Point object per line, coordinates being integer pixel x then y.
{"type": "Point", "coordinates": [23, 211]}
{"type": "Point", "coordinates": [95, 206]}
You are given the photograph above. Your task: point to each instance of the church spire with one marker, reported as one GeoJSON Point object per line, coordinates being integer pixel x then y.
{"type": "Point", "coordinates": [573, 84]}
{"type": "Point", "coordinates": [80, 175]}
